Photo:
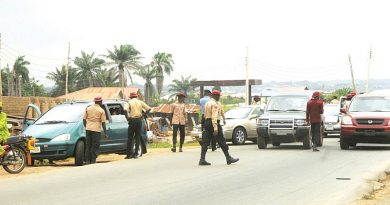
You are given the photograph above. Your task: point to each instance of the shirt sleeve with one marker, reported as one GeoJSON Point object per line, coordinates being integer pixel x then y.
{"type": "Point", "coordinates": [145, 106]}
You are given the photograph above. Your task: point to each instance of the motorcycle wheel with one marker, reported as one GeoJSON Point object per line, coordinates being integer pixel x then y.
{"type": "Point", "coordinates": [14, 164]}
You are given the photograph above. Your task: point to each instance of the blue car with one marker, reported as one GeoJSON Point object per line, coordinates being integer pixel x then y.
{"type": "Point", "coordinates": [61, 132]}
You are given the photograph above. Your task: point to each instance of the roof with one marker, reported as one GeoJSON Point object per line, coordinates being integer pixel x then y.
{"type": "Point", "coordinates": [105, 92]}
{"type": "Point", "coordinates": [290, 89]}
{"type": "Point", "coordinates": [166, 108]}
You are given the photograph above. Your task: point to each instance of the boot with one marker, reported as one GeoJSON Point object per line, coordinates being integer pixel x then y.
{"type": "Point", "coordinates": [181, 148]}
{"type": "Point", "coordinates": [315, 149]}
{"type": "Point", "coordinates": [230, 160]}
{"type": "Point", "coordinates": [203, 162]}
{"type": "Point", "coordinates": [173, 149]}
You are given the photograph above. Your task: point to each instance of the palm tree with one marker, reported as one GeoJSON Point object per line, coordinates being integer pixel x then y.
{"type": "Point", "coordinates": [163, 63]}
{"type": "Point", "coordinates": [59, 78]}
{"type": "Point", "coordinates": [126, 58]}
{"type": "Point", "coordinates": [183, 85]}
{"type": "Point", "coordinates": [148, 73]}
{"type": "Point", "coordinates": [87, 66]}
{"type": "Point", "coordinates": [107, 77]}
{"type": "Point", "coordinates": [19, 76]}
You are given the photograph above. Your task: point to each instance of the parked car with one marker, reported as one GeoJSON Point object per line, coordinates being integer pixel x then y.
{"type": "Point", "coordinates": [61, 132]}
{"type": "Point", "coordinates": [366, 120]}
{"type": "Point", "coordinates": [241, 124]}
{"type": "Point", "coordinates": [331, 119]}
{"type": "Point", "coordinates": [284, 121]}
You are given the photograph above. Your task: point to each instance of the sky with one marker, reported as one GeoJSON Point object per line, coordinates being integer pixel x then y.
{"type": "Point", "coordinates": [286, 40]}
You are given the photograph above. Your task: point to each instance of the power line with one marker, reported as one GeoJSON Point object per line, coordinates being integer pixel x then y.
{"type": "Point", "coordinates": [14, 50]}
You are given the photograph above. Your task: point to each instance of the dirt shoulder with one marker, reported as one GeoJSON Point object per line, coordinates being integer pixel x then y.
{"type": "Point", "coordinates": [69, 163]}
{"type": "Point", "coordinates": [381, 194]}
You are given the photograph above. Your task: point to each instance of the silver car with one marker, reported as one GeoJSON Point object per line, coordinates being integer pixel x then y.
{"type": "Point", "coordinates": [331, 119]}
{"type": "Point", "coordinates": [241, 124]}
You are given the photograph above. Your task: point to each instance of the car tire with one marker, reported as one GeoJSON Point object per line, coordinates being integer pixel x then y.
{"type": "Point", "coordinates": [307, 141]}
{"type": "Point", "coordinates": [239, 136]}
{"type": "Point", "coordinates": [79, 153]}
{"type": "Point", "coordinates": [344, 144]}
{"type": "Point", "coordinates": [275, 144]}
{"type": "Point", "coordinates": [261, 143]}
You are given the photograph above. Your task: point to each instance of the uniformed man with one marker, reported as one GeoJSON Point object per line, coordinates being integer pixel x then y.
{"type": "Point", "coordinates": [4, 133]}
{"type": "Point", "coordinates": [314, 109]}
{"type": "Point", "coordinates": [213, 112]}
{"type": "Point", "coordinates": [202, 102]}
{"type": "Point", "coordinates": [134, 109]}
{"type": "Point", "coordinates": [178, 121]}
{"type": "Point", "coordinates": [94, 119]}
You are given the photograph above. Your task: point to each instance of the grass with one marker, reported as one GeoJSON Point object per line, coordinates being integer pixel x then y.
{"type": "Point", "coordinates": [169, 145]}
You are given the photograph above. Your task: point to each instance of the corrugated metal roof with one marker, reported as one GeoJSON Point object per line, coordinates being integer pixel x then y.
{"type": "Point", "coordinates": [104, 92]}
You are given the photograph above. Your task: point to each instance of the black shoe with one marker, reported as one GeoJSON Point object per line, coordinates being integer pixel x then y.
{"type": "Point", "coordinates": [129, 157]}
{"type": "Point", "coordinates": [203, 162]}
{"type": "Point", "coordinates": [230, 160]}
{"type": "Point", "coordinates": [180, 149]}
{"type": "Point", "coordinates": [135, 156]}
{"type": "Point", "coordinates": [315, 149]}
{"type": "Point", "coordinates": [173, 149]}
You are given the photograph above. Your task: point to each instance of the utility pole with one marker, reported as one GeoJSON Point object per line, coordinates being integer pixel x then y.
{"type": "Point", "coordinates": [247, 75]}
{"type": "Point", "coordinates": [66, 75]}
{"type": "Point", "coordinates": [1, 81]}
{"type": "Point", "coordinates": [353, 79]}
{"type": "Point", "coordinates": [368, 69]}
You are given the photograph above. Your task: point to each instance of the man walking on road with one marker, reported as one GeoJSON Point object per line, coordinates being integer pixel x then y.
{"type": "Point", "coordinates": [314, 109]}
{"type": "Point", "coordinates": [134, 110]}
{"type": "Point", "coordinates": [94, 119]}
{"type": "Point", "coordinates": [202, 102]}
{"type": "Point", "coordinates": [212, 115]}
{"type": "Point", "coordinates": [178, 120]}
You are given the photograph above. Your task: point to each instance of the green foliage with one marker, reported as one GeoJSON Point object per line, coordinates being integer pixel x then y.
{"type": "Point", "coordinates": [59, 78]}
{"type": "Point", "coordinates": [20, 68]}
{"type": "Point", "coordinates": [163, 63]}
{"type": "Point", "coordinates": [148, 73]}
{"type": "Point", "coordinates": [32, 88]}
{"type": "Point", "coordinates": [232, 100]}
{"type": "Point", "coordinates": [87, 67]}
{"type": "Point", "coordinates": [338, 93]}
{"type": "Point", "coordinates": [182, 85]}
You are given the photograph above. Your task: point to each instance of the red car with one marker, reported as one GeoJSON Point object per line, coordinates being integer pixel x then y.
{"type": "Point", "coordinates": [366, 120]}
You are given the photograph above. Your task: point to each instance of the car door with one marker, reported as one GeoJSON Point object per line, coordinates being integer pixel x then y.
{"type": "Point", "coordinates": [117, 127]}
{"type": "Point", "coordinates": [36, 113]}
{"type": "Point", "coordinates": [256, 112]}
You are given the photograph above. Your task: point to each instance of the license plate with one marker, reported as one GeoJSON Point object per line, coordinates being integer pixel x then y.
{"type": "Point", "coordinates": [36, 150]}
{"type": "Point", "coordinates": [369, 132]}
{"type": "Point", "coordinates": [281, 132]}
{"type": "Point", "coordinates": [329, 127]}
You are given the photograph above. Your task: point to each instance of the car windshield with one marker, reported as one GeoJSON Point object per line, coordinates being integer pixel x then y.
{"type": "Point", "coordinates": [238, 113]}
{"type": "Point", "coordinates": [287, 103]}
{"type": "Point", "coordinates": [370, 104]}
{"type": "Point", "coordinates": [331, 110]}
{"type": "Point", "coordinates": [63, 114]}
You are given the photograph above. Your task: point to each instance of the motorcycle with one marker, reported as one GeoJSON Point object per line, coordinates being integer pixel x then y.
{"type": "Point", "coordinates": [16, 153]}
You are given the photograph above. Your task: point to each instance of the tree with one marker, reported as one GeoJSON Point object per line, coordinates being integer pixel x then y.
{"type": "Point", "coordinates": [148, 73]}
{"type": "Point", "coordinates": [126, 58]}
{"type": "Point", "coordinates": [59, 78]}
{"type": "Point", "coordinates": [19, 76]}
{"type": "Point", "coordinates": [107, 77]}
{"type": "Point", "coordinates": [163, 63]}
{"type": "Point", "coordinates": [6, 79]}
{"type": "Point", "coordinates": [32, 88]}
{"type": "Point", "coordinates": [87, 66]}
{"type": "Point", "coordinates": [183, 85]}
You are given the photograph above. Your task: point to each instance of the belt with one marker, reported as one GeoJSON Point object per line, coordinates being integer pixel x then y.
{"type": "Point", "coordinates": [135, 118]}
{"type": "Point", "coordinates": [208, 119]}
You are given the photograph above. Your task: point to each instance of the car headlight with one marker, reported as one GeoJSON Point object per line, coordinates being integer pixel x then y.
{"type": "Point", "coordinates": [262, 122]}
{"type": "Point", "coordinates": [300, 122]}
{"type": "Point", "coordinates": [347, 120]}
{"type": "Point", "coordinates": [60, 138]}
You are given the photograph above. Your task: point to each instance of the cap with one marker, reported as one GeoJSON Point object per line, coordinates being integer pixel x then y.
{"type": "Point", "coordinates": [133, 95]}
{"type": "Point", "coordinates": [98, 99]}
{"type": "Point", "coordinates": [256, 96]}
{"type": "Point", "coordinates": [181, 95]}
{"type": "Point", "coordinates": [316, 94]}
{"type": "Point", "coordinates": [216, 92]}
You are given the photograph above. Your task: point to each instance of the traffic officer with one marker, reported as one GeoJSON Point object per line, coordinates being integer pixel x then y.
{"type": "Point", "coordinates": [94, 119]}
{"type": "Point", "coordinates": [4, 133]}
{"type": "Point", "coordinates": [213, 112]}
{"type": "Point", "coordinates": [134, 109]}
{"type": "Point", "coordinates": [178, 120]}
{"type": "Point", "coordinates": [314, 109]}
{"type": "Point", "coordinates": [202, 102]}
{"type": "Point", "coordinates": [256, 100]}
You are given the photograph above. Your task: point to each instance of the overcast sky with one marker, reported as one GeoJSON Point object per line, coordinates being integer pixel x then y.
{"type": "Point", "coordinates": [287, 40]}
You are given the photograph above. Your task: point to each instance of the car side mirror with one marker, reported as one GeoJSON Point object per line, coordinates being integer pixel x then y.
{"type": "Point", "coordinates": [342, 110]}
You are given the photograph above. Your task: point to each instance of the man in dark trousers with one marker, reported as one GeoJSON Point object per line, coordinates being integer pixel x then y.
{"type": "Point", "coordinates": [178, 120]}
{"type": "Point", "coordinates": [213, 114]}
{"type": "Point", "coordinates": [202, 102]}
{"type": "Point", "coordinates": [94, 119]}
{"type": "Point", "coordinates": [134, 109]}
{"type": "Point", "coordinates": [314, 109]}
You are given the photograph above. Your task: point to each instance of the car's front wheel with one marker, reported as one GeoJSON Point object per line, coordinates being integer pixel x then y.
{"type": "Point", "coordinates": [239, 136]}
{"type": "Point", "coordinates": [79, 153]}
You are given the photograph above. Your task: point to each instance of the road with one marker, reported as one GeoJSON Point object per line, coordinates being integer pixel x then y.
{"type": "Point", "coordinates": [282, 175]}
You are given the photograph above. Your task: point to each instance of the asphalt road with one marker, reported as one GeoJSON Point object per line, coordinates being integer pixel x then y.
{"type": "Point", "coordinates": [282, 175]}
